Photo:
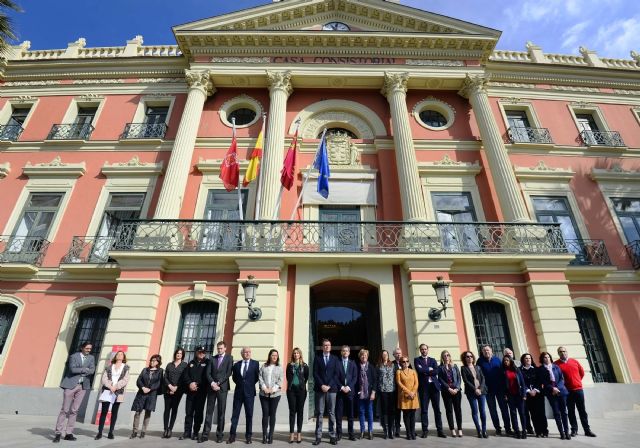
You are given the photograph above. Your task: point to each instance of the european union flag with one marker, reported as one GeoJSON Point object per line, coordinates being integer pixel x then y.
{"type": "Point", "coordinates": [322, 165]}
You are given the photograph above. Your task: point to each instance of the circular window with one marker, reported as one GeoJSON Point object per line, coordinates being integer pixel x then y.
{"type": "Point", "coordinates": [243, 108]}
{"type": "Point", "coordinates": [242, 116]}
{"type": "Point", "coordinates": [434, 114]}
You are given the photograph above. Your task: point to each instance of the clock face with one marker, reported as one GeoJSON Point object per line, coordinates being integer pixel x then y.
{"type": "Point", "coordinates": [336, 26]}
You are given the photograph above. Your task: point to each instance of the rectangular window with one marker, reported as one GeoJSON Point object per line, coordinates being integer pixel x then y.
{"type": "Point", "coordinates": [628, 211]}
{"type": "Point", "coordinates": [518, 126]}
{"type": "Point", "coordinates": [19, 115]}
{"type": "Point", "coordinates": [33, 227]}
{"type": "Point", "coordinates": [14, 127]}
{"type": "Point", "coordinates": [221, 206]}
{"type": "Point", "coordinates": [456, 208]}
{"type": "Point", "coordinates": [338, 234]}
{"type": "Point", "coordinates": [156, 114]}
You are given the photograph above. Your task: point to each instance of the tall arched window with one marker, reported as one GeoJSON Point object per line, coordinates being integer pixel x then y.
{"type": "Point", "coordinates": [198, 322]}
{"type": "Point", "coordinates": [7, 314]}
{"type": "Point", "coordinates": [594, 344]}
{"type": "Point", "coordinates": [490, 325]}
{"type": "Point", "coordinates": [91, 327]}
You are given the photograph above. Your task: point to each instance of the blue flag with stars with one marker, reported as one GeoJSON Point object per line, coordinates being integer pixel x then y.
{"type": "Point", "coordinates": [322, 165]}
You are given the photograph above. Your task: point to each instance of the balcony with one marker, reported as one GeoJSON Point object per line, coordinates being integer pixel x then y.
{"type": "Point", "coordinates": [70, 131]}
{"type": "Point", "coordinates": [27, 251]}
{"type": "Point", "coordinates": [529, 135]}
{"type": "Point", "coordinates": [602, 138]}
{"type": "Point", "coordinates": [144, 131]}
{"type": "Point", "coordinates": [10, 132]}
{"type": "Point", "coordinates": [320, 237]}
{"type": "Point", "coordinates": [588, 252]}
{"type": "Point", "coordinates": [633, 249]}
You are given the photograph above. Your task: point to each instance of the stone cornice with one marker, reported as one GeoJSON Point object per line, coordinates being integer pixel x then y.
{"type": "Point", "coordinates": [449, 167]}
{"type": "Point", "coordinates": [5, 169]}
{"type": "Point", "coordinates": [132, 168]}
{"type": "Point", "coordinates": [543, 173]}
{"type": "Point", "coordinates": [55, 168]}
{"type": "Point", "coordinates": [614, 174]}
{"type": "Point", "coordinates": [212, 166]}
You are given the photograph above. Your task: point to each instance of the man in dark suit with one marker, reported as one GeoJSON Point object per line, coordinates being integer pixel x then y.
{"type": "Point", "coordinates": [325, 376]}
{"type": "Point", "coordinates": [245, 375]}
{"type": "Point", "coordinates": [347, 378]}
{"type": "Point", "coordinates": [428, 390]}
{"type": "Point", "coordinates": [195, 380]}
{"type": "Point", "coordinates": [77, 380]}
{"type": "Point", "coordinates": [218, 374]}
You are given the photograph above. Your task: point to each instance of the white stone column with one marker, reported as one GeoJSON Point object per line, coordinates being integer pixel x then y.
{"type": "Point", "coordinates": [395, 90]}
{"type": "Point", "coordinates": [511, 201]}
{"type": "Point", "coordinates": [177, 174]}
{"type": "Point", "coordinates": [279, 90]}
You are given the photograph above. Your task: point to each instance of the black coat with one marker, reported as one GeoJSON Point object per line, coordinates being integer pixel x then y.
{"type": "Point", "coordinates": [246, 385]}
{"type": "Point", "coordinates": [153, 380]}
{"type": "Point", "coordinates": [372, 379]}
{"type": "Point", "coordinates": [219, 375]}
{"type": "Point", "coordinates": [196, 372]}
{"type": "Point", "coordinates": [467, 379]}
{"type": "Point", "coordinates": [304, 379]}
{"type": "Point", "coordinates": [325, 375]}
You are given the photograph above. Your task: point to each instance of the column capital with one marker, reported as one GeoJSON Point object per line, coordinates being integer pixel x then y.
{"type": "Point", "coordinates": [280, 81]}
{"type": "Point", "coordinates": [198, 79]}
{"type": "Point", "coordinates": [474, 84]}
{"type": "Point", "coordinates": [394, 82]}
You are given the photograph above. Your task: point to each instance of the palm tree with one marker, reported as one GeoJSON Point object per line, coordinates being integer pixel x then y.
{"type": "Point", "coordinates": [6, 26]}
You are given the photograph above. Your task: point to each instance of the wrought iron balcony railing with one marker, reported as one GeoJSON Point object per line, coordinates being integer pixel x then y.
{"type": "Point", "coordinates": [23, 249]}
{"type": "Point", "coordinates": [70, 131]}
{"type": "Point", "coordinates": [633, 249]}
{"type": "Point", "coordinates": [589, 252]}
{"type": "Point", "coordinates": [89, 249]}
{"type": "Point", "coordinates": [334, 237]}
{"type": "Point", "coordinates": [10, 132]}
{"type": "Point", "coordinates": [144, 130]}
{"type": "Point", "coordinates": [602, 138]}
{"type": "Point", "coordinates": [529, 135]}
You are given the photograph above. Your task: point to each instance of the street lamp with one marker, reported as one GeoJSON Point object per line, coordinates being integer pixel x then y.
{"type": "Point", "coordinates": [442, 294]}
{"type": "Point", "coordinates": [250, 287]}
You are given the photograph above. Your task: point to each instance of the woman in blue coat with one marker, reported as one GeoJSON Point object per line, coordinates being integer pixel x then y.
{"type": "Point", "coordinates": [515, 393]}
{"type": "Point", "coordinates": [554, 389]}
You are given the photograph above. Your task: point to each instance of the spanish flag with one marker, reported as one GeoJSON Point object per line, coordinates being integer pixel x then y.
{"type": "Point", "coordinates": [254, 164]}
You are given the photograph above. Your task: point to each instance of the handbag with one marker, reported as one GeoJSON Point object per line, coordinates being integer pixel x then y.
{"type": "Point", "coordinates": [107, 396]}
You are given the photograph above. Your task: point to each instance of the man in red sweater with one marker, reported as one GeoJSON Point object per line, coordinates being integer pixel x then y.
{"type": "Point", "coordinates": [573, 374]}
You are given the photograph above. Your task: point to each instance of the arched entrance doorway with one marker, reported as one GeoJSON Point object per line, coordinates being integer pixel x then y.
{"type": "Point", "coordinates": [347, 312]}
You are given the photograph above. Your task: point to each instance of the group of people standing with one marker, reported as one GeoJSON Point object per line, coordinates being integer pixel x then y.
{"type": "Point", "coordinates": [340, 386]}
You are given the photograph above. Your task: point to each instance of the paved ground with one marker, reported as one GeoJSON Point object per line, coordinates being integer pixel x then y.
{"type": "Point", "coordinates": [621, 429]}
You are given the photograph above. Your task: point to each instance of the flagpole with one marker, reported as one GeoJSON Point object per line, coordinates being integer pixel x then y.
{"type": "Point", "coordinates": [259, 192]}
{"type": "Point", "coordinates": [233, 120]}
{"type": "Point", "coordinates": [278, 203]}
{"type": "Point", "coordinates": [306, 178]}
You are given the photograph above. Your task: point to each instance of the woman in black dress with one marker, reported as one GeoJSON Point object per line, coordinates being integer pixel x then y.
{"type": "Point", "coordinates": [149, 383]}
{"type": "Point", "coordinates": [173, 390]}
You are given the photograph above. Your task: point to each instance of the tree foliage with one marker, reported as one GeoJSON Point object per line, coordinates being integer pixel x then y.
{"type": "Point", "coordinates": [6, 25]}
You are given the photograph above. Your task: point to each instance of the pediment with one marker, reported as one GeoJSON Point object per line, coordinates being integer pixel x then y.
{"type": "Point", "coordinates": [360, 15]}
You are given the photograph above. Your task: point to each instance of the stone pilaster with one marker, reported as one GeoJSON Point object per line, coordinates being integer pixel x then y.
{"type": "Point", "coordinates": [511, 201]}
{"type": "Point", "coordinates": [279, 90]}
{"type": "Point", "coordinates": [395, 90]}
{"type": "Point", "coordinates": [177, 174]}
{"type": "Point", "coordinates": [552, 311]}
{"type": "Point", "coordinates": [131, 323]}
{"type": "Point", "coordinates": [268, 332]}
{"type": "Point", "coordinates": [439, 335]}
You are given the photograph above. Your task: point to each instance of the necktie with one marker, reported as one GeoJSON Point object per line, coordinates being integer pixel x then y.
{"type": "Point", "coordinates": [244, 368]}
{"type": "Point", "coordinates": [345, 366]}
{"type": "Point", "coordinates": [220, 360]}
{"type": "Point", "coordinates": [326, 360]}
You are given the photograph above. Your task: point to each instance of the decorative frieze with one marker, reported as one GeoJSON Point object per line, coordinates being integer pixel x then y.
{"type": "Point", "coordinates": [435, 62]}
{"type": "Point", "coordinates": [133, 167]}
{"type": "Point", "coordinates": [55, 168]}
{"type": "Point", "coordinates": [232, 60]}
{"type": "Point", "coordinates": [541, 171]}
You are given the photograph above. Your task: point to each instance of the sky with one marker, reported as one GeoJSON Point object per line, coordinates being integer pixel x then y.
{"type": "Point", "coordinates": [611, 27]}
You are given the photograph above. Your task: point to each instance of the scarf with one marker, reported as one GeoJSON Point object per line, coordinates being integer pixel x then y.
{"type": "Point", "coordinates": [549, 367]}
{"type": "Point", "coordinates": [364, 381]}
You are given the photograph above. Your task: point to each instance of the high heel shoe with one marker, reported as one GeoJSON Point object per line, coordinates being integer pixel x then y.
{"type": "Point", "coordinates": [292, 436]}
{"type": "Point", "coordinates": [299, 439]}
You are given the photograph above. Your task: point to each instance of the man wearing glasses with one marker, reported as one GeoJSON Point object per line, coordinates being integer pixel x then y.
{"type": "Point", "coordinates": [573, 374]}
{"type": "Point", "coordinates": [325, 375]}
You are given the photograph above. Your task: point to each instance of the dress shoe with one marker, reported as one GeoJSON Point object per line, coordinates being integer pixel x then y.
{"type": "Point", "coordinates": [185, 436]}
{"type": "Point", "coordinates": [70, 437]}
{"type": "Point", "coordinates": [485, 435]}
{"type": "Point", "coordinates": [414, 436]}
{"type": "Point", "coordinates": [397, 432]}
{"type": "Point", "coordinates": [231, 439]}
{"type": "Point", "coordinates": [574, 432]}
{"type": "Point", "coordinates": [498, 432]}
{"type": "Point", "coordinates": [518, 435]}
{"type": "Point", "coordinates": [164, 434]}
{"type": "Point", "coordinates": [567, 437]}
{"type": "Point", "coordinates": [133, 435]}
{"type": "Point", "coordinates": [370, 435]}
{"type": "Point", "coordinates": [562, 436]}
{"type": "Point", "coordinates": [316, 442]}
{"type": "Point", "coordinates": [218, 439]}
{"type": "Point", "coordinates": [333, 441]}
{"type": "Point", "coordinates": [361, 435]}
{"type": "Point", "coordinates": [98, 436]}
{"type": "Point", "coordinates": [248, 440]}
{"type": "Point", "coordinates": [589, 433]}
{"type": "Point", "coordinates": [509, 432]}
{"type": "Point", "coordinates": [169, 432]}
{"type": "Point", "coordinates": [110, 435]}
{"type": "Point", "coordinates": [442, 435]}
{"type": "Point", "coordinates": [424, 434]}
{"type": "Point", "coordinates": [264, 440]}
{"type": "Point", "coordinates": [195, 436]}
{"type": "Point", "coordinates": [203, 438]}
{"type": "Point", "coordinates": [524, 434]}
{"type": "Point", "coordinates": [270, 440]}
{"type": "Point", "coordinates": [391, 435]}
{"type": "Point", "coordinates": [142, 435]}
{"type": "Point", "coordinates": [56, 439]}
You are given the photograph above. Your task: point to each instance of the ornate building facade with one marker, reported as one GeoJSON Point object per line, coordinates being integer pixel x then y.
{"type": "Point", "coordinates": [512, 175]}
